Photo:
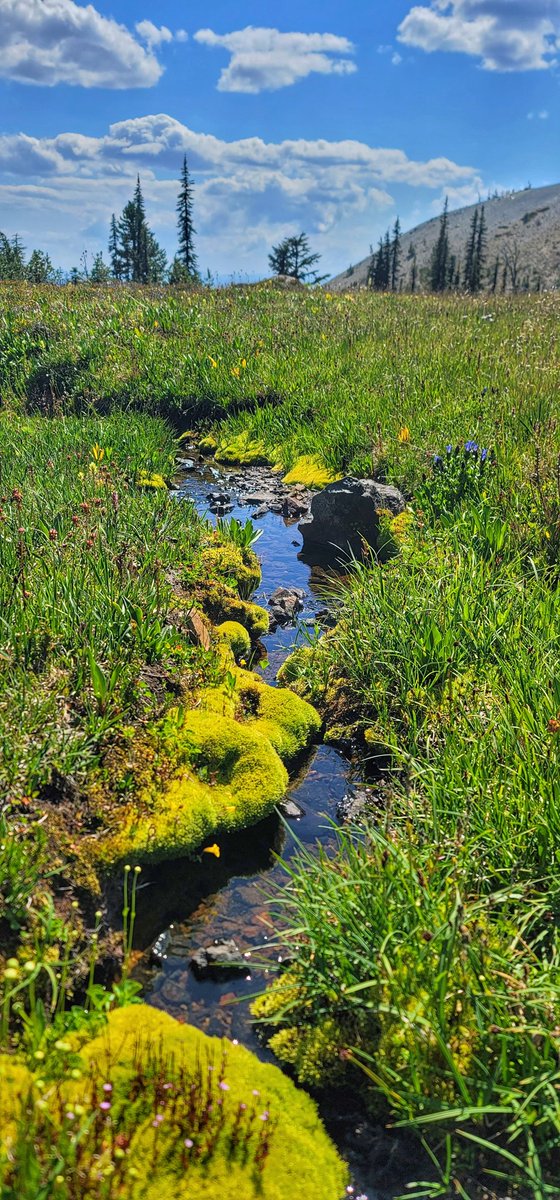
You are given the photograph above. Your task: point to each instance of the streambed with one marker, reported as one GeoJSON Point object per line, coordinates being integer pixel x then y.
{"type": "Point", "coordinates": [195, 903]}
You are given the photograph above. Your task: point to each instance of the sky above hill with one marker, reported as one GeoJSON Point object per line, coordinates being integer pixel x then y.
{"type": "Point", "coordinates": [319, 115]}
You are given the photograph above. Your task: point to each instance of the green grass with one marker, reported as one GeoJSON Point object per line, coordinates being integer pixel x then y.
{"type": "Point", "coordinates": [85, 591]}
{"type": "Point", "coordinates": [427, 950]}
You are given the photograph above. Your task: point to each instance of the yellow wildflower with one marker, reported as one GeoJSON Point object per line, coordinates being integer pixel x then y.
{"type": "Point", "coordinates": [404, 434]}
{"type": "Point", "coordinates": [215, 850]}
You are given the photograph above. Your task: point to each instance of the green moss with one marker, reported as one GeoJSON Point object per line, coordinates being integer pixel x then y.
{"type": "Point", "coordinates": [150, 481]}
{"type": "Point", "coordinates": [242, 451]}
{"type": "Point", "coordinates": [212, 769]}
{"type": "Point", "coordinates": [227, 776]}
{"type": "Point", "coordinates": [288, 722]}
{"type": "Point", "coordinates": [227, 562]}
{"type": "Point", "coordinates": [208, 445]}
{"type": "Point", "coordinates": [155, 1064]}
{"type": "Point", "coordinates": [310, 471]}
{"type": "Point", "coordinates": [223, 604]}
{"type": "Point", "coordinates": [237, 638]}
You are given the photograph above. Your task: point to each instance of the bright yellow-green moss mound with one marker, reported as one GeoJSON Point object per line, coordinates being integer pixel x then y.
{"type": "Point", "coordinates": [222, 603]}
{"type": "Point", "coordinates": [234, 565]}
{"type": "Point", "coordinates": [242, 451]}
{"type": "Point", "coordinates": [237, 638]}
{"type": "Point", "coordinates": [208, 444]}
{"type": "Point", "coordinates": [288, 722]}
{"type": "Point", "coordinates": [229, 776]}
{"type": "Point", "coordinates": [310, 471]}
{"type": "Point", "coordinates": [185, 1117]}
{"type": "Point", "coordinates": [228, 771]}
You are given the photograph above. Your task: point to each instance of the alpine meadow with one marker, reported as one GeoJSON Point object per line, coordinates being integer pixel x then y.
{"type": "Point", "coordinates": [279, 601]}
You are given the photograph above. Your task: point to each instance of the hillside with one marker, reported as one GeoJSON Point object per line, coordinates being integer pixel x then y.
{"type": "Point", "coordinates": [523, 237]}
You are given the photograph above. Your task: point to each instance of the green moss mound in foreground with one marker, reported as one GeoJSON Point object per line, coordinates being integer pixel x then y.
{"type": "Point", "coordinates": [185, 1117]}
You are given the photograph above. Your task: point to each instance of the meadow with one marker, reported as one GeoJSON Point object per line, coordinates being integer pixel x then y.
{"type": "Point", "coordinates": [425, 955]}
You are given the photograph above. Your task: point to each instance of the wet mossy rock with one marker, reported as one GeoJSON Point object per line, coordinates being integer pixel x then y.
{"type": "Point", "coordinates": [222, 603]}
{"type": "Point", "coordinates": [186, 1153]}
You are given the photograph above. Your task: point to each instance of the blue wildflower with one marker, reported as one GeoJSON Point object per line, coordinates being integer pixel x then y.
{"type": "Point", "coordinates": [483, 455]}
{"type": "Point", "coordinates": [449, 449]}
{"type": "Point", "coordinates": [438, 460]}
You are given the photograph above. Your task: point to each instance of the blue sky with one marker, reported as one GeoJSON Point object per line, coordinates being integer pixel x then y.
{"type": "Point", "coordinates": [328, 117]}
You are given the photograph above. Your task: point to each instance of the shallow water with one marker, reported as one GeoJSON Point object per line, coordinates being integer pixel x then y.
{"type": "Point", "coordinates": [215, 899]}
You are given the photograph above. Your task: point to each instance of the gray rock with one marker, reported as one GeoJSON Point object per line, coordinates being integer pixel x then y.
{"type": "Point", "coordinates": [345, 513]}
{"type": "Point", "coordinates": [284, 603]}
{"type": "Point", "coordinates": [186, 464]}
{"type": "Point", "coordinates": [218, 497]}
{"type": "Point", "coordinates": [291, 810]}
{"type": "Point", "coordinates": [218, 961]}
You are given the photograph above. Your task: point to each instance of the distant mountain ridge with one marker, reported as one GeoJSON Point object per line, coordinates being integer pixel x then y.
{"type": "Point", "coordinates": [522, 238]}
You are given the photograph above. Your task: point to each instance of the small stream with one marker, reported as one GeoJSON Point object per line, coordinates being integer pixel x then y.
{"type": "Point", "coordinates": [198, 902]}
{"type": "Point", "coordinates": [195, 903]}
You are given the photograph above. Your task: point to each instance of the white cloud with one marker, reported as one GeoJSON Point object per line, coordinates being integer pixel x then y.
{"type": "Point", "coordinates": [248, 192]}
{"type": "Point", "coordinates": [46, 42]}
{"type": "Point", "coordinates": [154, 35]}
{"type": "Point", "coordinates": [507, 35]}
{"type": "Point", "coordinates": [266, 60]}
{"type": "Point", "coordinates": [542, 115]}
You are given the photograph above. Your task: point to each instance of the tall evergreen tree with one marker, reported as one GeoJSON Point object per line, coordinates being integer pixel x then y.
{"type": "Point", "coordinates": [186, 229]}
{"type": "Point", "coordinates": [470, 252]}
{"type": "Point", "coordinates": [115, 250]}
{"type": "Point", "coordinates": [39, 268]}
{"type": "Point", "coordinates": [136, 256]}
{"type": "Point", "coordinates": [12, 257]}
{"type": "Point", "coordinates": [440, 254]}
{"type": "Point", "coordinates": [480, 253]}
{"type": "Point", "coordinates": [395, 254]}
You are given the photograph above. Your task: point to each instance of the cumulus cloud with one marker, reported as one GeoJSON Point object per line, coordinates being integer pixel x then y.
{"type": "Point", "coordinates": [506, 35]}
{"type": "Point", "coordinates": [248, 192]}
{"type": "Point", "coordinates": [266, 60]}
{"type": "Point", "coordinates": [154, 35]}
{"type": "Point", "coordinates": [47, 42]}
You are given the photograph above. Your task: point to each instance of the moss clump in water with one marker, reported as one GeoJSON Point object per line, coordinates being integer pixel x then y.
{"type": "Point", "coordinates": [162, 1112]}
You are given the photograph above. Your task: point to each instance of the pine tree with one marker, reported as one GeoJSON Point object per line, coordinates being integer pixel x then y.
{"type": "Point", "coordinates": [395, 254]}
{"type": "Point", "coordinates": [480, 253]}
{"type": "Point", "coordinates": [12, 257]}
{"type": "Point", "coordinates": [186, 228]}
{"type": "Point", "coordinates": [293, 257]}
{"type": "Point", "coordinates": [39, 268]}
{"type": "Point", "coordinates": [136, 256]}
{"type": "Point", "coordinates": [100, 271]}
{"type": "Point", "coordinates": [494, 276]}
{"type": "Point", "coordinates": [115, 250]}
{"type": "Point", "coordinates": [440, 254]}
{"type": "Point", "coordinates": [469, 276]}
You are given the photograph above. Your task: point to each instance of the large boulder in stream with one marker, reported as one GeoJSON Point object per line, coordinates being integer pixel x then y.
{"type": "Point", "coordinates": [347, 513]}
